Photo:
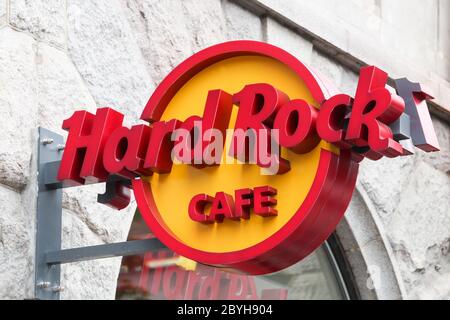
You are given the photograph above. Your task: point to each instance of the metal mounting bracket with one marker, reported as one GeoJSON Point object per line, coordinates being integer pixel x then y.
{"type": "Point", "coordinates": [48, 219]}
{"type": "Point", "coordinates": [49, 255]}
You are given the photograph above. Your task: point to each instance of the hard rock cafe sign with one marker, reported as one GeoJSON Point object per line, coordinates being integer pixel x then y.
{"type": "Point", "coordinates": [249, 158]}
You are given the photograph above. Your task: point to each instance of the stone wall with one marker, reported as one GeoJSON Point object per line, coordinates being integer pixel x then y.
{"type": "Point", "coordinates": [61, 55]}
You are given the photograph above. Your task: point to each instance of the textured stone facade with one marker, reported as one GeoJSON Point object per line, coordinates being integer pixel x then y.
{"type": "Point", "coordinates": [61, 55]}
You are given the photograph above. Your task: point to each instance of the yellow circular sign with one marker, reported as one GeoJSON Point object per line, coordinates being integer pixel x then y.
{"type": "Point", "coordinates": [304, 194]}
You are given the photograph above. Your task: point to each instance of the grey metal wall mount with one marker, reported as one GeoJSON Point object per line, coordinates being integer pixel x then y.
{"type": "Point", "coordinates": [49, 255]}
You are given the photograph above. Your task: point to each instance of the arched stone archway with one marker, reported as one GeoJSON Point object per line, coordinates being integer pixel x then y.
{"type": "Point", "coordinates": [368, 251]}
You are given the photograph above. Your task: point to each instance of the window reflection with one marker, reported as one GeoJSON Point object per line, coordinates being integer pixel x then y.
{"type": "Point", "coordinates": [161, 274]}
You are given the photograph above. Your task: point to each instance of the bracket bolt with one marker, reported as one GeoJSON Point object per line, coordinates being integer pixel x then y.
{"type": "Point", "coordinates": [46, 141]}
{"type": "Point", "coordinates": [57, 289]}
{"type": "Point", "coordinates": [43, 284]}
{"type": "Point", "coordinates": [60, 147]}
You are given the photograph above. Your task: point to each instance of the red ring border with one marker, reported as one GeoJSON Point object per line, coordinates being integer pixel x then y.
{"type": "Point", "coordinates": [317, 216]}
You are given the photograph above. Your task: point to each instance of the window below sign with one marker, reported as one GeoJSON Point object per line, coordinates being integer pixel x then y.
{"type": "Point", "coordinates": [161, 275]}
